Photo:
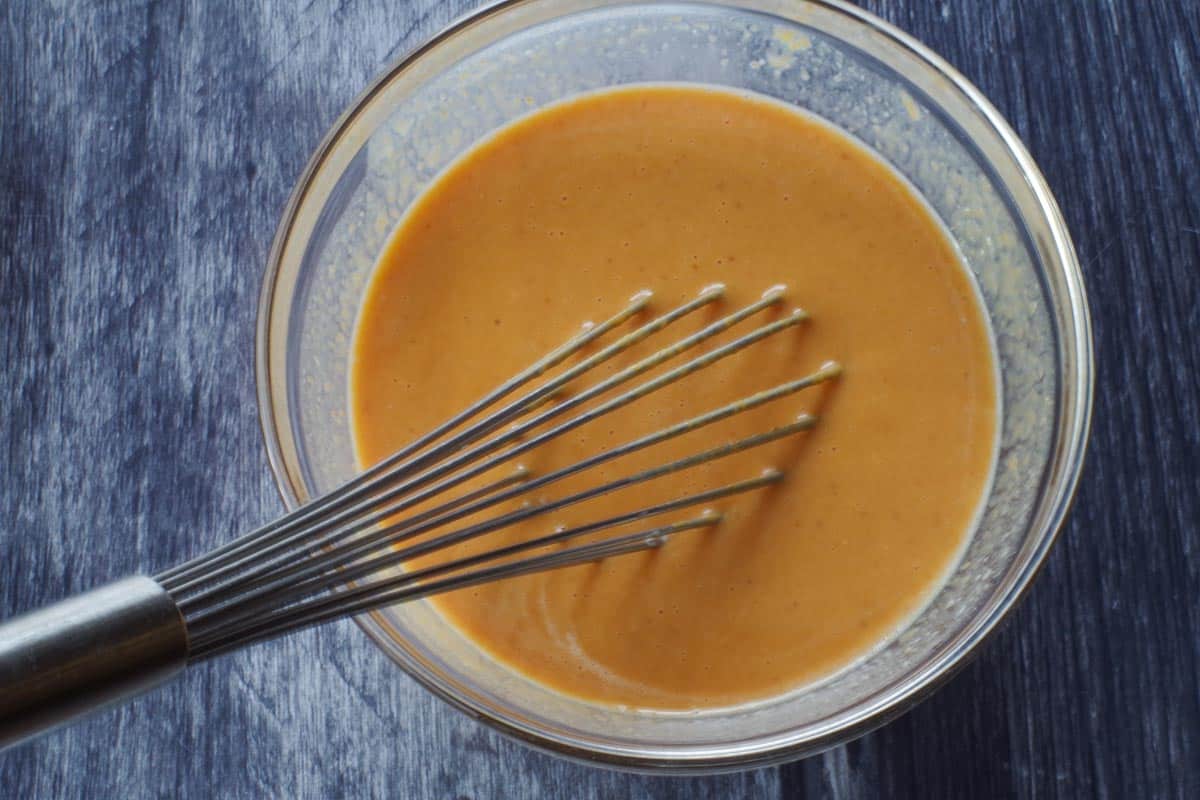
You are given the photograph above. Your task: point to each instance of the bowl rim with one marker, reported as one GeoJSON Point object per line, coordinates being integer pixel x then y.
{"type": "Point", "coordinates": [1074, 409]}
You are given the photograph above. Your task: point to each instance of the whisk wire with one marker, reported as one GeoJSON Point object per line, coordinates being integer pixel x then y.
{"type": "Point", "coordinates": [283, 571]}
{"type": "Point", "coordinates": [329, 559]}
{"type": "Point", "coordinates": [409, 493]}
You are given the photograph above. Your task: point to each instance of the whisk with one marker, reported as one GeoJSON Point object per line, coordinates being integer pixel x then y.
{"type": "Point", "coordinates": [342, 553]}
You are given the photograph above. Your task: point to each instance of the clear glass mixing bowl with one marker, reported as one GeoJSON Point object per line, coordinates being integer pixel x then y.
{"type": "Point", "coordinates": [827, 57]}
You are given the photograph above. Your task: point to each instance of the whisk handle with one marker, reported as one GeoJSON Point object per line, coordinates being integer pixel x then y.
{"type": "Point", "coordinates": [86, 652]}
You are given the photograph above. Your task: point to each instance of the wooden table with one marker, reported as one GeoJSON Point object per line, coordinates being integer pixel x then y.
{"type": "Point", "coordinates": [146, 151]}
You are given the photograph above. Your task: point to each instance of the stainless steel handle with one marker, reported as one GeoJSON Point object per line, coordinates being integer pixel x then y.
{"type": "Point", "coordinates": [87, 652]}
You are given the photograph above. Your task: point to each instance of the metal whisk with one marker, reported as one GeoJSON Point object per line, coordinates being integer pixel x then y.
{"type": "Point", "coordinates": [338, 555]}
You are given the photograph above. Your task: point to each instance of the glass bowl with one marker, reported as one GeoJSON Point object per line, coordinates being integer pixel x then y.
{"type": "Point", "coordinates": [827, 57]}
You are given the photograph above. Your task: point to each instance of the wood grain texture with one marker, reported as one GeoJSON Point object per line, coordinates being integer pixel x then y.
{"type": "Point", "coordinates": [146, 151]}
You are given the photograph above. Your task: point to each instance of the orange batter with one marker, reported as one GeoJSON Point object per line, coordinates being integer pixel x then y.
{"type": "Point", "coordinates": [560, 218]}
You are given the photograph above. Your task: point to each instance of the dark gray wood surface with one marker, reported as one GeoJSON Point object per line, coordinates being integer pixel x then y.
{"type": "Point", "coordinates": [146, 150]}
